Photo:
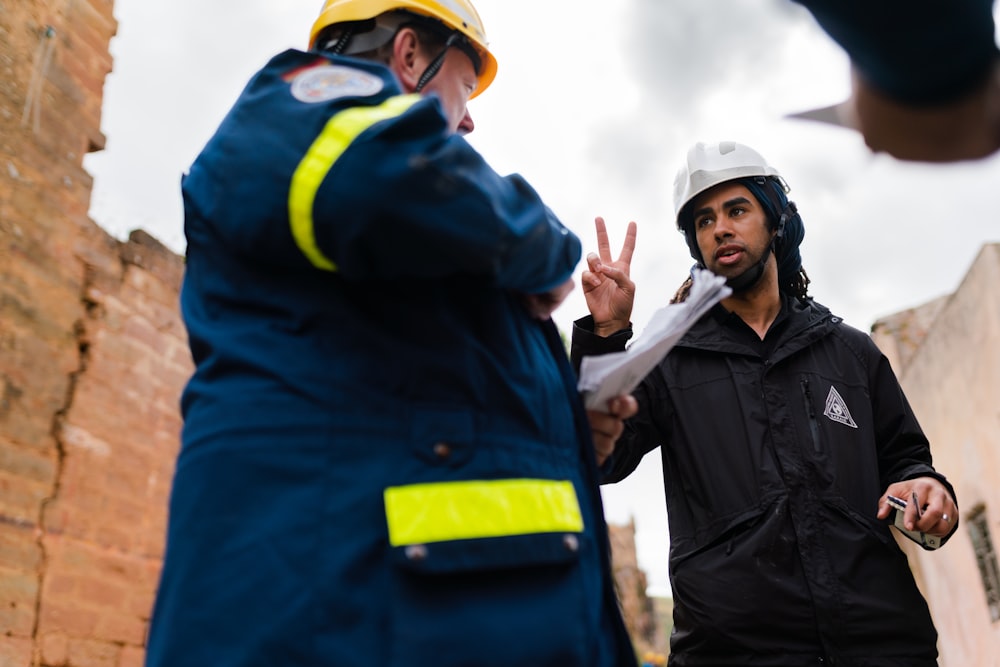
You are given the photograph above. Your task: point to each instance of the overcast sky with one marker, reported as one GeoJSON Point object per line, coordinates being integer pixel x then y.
{"type": "Point", "coordinates": [595, 103]}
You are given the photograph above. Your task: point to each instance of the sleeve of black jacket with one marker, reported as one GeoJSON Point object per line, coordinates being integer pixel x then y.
{"type": "Point", "coordinates": [903, 450]}
{"type": "Point", "coordinates": [631, 446]}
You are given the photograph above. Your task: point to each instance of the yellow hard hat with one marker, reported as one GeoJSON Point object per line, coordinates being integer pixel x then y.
{"type": "Point", "coordinates": [459, 15]}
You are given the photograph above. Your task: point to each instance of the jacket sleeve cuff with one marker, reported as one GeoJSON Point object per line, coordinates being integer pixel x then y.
{"type": "Point", "coordinates": [586, 343]}
{"type": "Point", "coordinates": [947, 485]}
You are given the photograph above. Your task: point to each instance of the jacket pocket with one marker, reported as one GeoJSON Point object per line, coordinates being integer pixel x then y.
{"type": "Point", "coordinates": [486, 572]}
{"type": "Point", "coordinates": [811, 414]}
{"type": "Point", "coordinates": [858, 523]}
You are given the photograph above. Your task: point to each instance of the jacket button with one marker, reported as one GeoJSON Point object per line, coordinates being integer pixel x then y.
{"type": "Point", "coordinates": [416, 552]}
{"type": "Point", "coordinates": [442, 450]}
{"type": "Point", "coordinates": [571, 542]}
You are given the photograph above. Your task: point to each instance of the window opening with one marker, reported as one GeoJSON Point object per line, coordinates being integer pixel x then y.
{"type": "Point", "coordinates": [986, 558]}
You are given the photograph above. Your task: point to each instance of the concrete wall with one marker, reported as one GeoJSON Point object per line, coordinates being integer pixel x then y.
{"type": "Point", "coordinates": [947, 355]}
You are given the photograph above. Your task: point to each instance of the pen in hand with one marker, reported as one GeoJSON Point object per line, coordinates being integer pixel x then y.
{"type": "Point", "coordinates": [916, 505]}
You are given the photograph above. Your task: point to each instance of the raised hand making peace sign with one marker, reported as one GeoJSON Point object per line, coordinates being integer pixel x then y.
{"type": "Point", "coordinates": [606, 284]}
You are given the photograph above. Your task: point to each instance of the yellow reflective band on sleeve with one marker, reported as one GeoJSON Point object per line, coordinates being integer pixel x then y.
{"type": "Point", "coordinates": [337, 135]}
{"type": "Point", "coordinates": [424, 513]}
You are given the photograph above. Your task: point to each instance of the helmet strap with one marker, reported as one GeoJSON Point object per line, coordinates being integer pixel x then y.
{"type": "Point", "coordinates": [457, 40]}
{"type": "Point", "coordinates": [787, 214]}
{"type": "Point", "coordinates": [339, 46]}
{"type": "Point", "coordinates": [751, 276]}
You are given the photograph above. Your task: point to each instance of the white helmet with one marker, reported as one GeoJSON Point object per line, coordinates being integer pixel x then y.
{"type": "Point", "coordinates": [707, 165]}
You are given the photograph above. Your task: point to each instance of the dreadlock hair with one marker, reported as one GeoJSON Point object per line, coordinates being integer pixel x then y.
{"type": "Point", "coordinates": [682, 293]}
{"type": "Point", "coordinates": [798, 286]}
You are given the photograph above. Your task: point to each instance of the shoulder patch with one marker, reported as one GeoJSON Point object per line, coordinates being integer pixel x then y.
{"type": "Point", "coordinates": [330, 82]}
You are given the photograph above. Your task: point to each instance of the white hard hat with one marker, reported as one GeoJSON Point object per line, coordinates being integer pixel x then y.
{"type": "Point", "coordinates": [707, 165]}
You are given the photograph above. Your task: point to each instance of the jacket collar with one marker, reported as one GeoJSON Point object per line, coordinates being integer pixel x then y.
{"type": "Point", "coordinates": [801, 323]}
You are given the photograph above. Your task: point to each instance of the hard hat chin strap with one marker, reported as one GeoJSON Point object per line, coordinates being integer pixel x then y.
{"type": "Point", "coordinates": [339, 46]}
{"type": "Point", "coordinates": [457, 40]}
{"type": "Point", "coordinates": [752, 276]}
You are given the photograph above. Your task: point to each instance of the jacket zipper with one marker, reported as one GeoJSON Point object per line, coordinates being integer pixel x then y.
{"type": "Point", "coordinates": [813, 423]}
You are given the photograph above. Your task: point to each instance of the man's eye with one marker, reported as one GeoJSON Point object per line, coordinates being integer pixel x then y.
{"type": "Point", "coordinates": [737, 210]}
{"type": "Point", "coordinates": [702, 222]}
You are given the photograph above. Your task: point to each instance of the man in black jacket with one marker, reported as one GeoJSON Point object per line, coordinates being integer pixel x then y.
{"type": "Point", "coordinates": [783, 433]}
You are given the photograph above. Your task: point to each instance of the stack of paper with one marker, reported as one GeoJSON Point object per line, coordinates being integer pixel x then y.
{"type": "Point", "coordinates": [610, 375]}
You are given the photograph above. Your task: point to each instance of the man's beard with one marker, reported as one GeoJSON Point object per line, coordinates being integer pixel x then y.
{"type": "Point", "coordinates": [751, 275]}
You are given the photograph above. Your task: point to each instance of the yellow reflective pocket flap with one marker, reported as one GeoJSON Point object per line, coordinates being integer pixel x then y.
{"type": "Point", "coordinates": [421, 514]}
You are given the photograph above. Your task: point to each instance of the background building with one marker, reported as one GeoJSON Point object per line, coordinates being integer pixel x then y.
{"type": "Point", "coordinates": [947, 356]}
{"type": "Point", "coordinates": [648, 619]}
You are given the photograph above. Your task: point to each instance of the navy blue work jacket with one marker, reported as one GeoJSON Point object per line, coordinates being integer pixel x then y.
{"type": "Point", "coordinates": [385, 460]}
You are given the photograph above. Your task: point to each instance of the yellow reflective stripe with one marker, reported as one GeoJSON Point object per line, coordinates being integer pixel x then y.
{"type": "Point", "coordinates": [337, 135]}
{"type": "Point", "coordinates": [423, 513]}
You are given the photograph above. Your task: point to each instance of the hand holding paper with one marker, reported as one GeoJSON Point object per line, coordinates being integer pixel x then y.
{"type": "Point", "coordinates": [616, 374]}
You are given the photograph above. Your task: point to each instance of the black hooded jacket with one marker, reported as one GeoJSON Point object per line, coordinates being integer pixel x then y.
{"type": "Point", "coordinates": [775, 454]}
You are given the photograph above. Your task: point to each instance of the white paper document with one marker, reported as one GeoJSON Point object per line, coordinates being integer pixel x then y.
{"type": "Point", "coordinates": [609, 375]}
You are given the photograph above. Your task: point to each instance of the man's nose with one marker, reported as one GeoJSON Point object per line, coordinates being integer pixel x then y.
{"type": "Point", "coordinates": [722, 228]}
{"type": "Point", "coordinates": [466, 125]}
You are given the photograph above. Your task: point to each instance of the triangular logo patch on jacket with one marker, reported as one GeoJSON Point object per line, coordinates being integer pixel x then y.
{"type": "Point", "coordinates": [836, 409]}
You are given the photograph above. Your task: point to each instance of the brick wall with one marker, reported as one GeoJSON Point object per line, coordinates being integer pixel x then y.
{"type": "Point", "coordinates": [630, 584]}
{"type": "Point", "coordinates": [92, 358]}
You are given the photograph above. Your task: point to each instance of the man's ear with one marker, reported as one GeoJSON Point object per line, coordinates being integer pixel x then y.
{"type": "Point", "coordinates": [406, 59]}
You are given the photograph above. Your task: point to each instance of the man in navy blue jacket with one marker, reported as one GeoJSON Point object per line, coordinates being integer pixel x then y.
{"type": "Point", "coordinates": [385, 460]}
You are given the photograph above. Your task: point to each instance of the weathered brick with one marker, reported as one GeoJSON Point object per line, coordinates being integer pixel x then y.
{"type": "Point", "coordinates": [93, 653]}
{"type": "Point", "coordinates": [121, 628]}
{"type": "Point", "coordinates": [34, 465]}
{"type": "Point", "coordinates": [140, 605]}
{"type": "Point", "coordinates": [132, 656]}
{"type": "Point", "coordinates": [19, 547]}
{"type": "Point", "coordinates": [75, 621]}
{"type": "Point", "coordinates": [103, 592]}
{"type": "Point", "coordinates": [15, 651]}
{"type": "Point", "coordinates": [21, 499]}
{"type": "Point", "coordinates": [62, 586]}
{"type": "Point", "coordinates": [18, 591]}
{"type": "Point", "coordinates": [55, 648]}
